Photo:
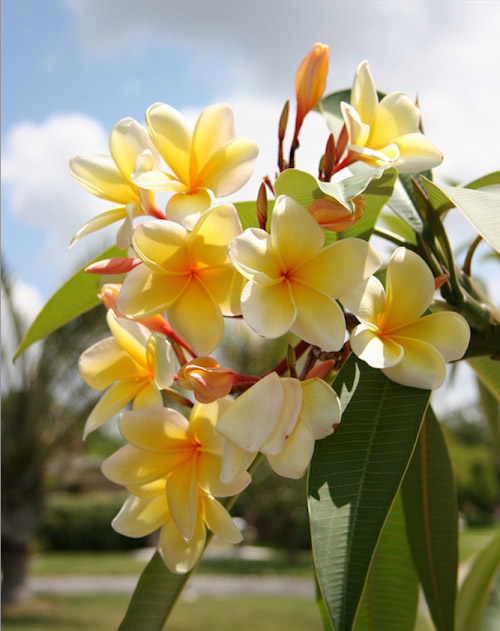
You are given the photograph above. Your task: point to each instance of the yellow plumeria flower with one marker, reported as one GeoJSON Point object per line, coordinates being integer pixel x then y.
{"type": "Point", "coordinates": [409, 348]}
{"type": "Point", "coordinates": [280, 418]}
{"type": "Point", "coordinates": [386, 132]}
{"type": "Point", "coordinates": [187, 275]}
{"type": "Point", "coordinates": [110, 177]}
{"type": "Point", "coordinates": [206, 162]}
{"type": "Point", "coordinates": [134, 364]}
{"type": "Point", "coordinates": [293, 280]}
{"type": "Point", "coordinates": [172, 468]}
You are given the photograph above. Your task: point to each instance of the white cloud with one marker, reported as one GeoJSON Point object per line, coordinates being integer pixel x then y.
{"type": "Point", "coordinates": [40, 191]}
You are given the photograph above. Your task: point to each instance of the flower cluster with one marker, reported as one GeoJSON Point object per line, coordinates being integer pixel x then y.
{"type": "Point", "coordinates": [193, 264]}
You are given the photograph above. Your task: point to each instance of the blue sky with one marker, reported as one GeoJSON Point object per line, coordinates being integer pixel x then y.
{"type": "Point", "coordinates": [72, 68]}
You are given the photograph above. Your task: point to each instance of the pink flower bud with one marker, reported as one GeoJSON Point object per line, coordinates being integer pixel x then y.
{"type": "Point", "coordinates": [310, 81]}
{"type": "Point", "coordinates": [206, 378]}
{"type": "Point", "coordinates": [333, 216]}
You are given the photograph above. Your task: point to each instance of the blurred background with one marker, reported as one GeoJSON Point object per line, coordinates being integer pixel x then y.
{"type": "Point", "coordinates": [70, 70]}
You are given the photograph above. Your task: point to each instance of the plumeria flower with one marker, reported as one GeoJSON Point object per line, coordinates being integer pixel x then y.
{"type": "Point", "coordinates": [172, 468]}
{"type": "Point", "coordinates": [206, 378]}
{"type": "Point", "coordinates": [207, 162]}
{"type": "Point", "coordinates": [134, 365]}
{"type": "Point", "coordinates": [394, 335]}
{"type": "Point", "coordinates": [189, 276]}
{"type": "Point", "coordinates": [293, 280]}
{"type": "Point", "coordinates": [110, 177]}
{"type": "Point", "coordinates": [386, 132]}
{"type": "Point", "coordinates": [280, 417]}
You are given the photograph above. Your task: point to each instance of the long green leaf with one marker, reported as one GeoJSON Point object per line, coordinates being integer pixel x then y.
{"type": "Point", "coordinates": [354, 477]}
{"type": "Point", "coordinates": [390, 597]}
{"type": "Point", "coordinates": [492, 179]}
{"type": "Point", "coordinates": [76, 296]}
{"type": "Point", "coordinates": [474, 593]}
{"type": "Point", "coordinates": [429, 500]}
{"type": "Point", "coordinates": [491, 618]}
{"type": "Point", "coordinates": [154, 597]}
{"type": "Point", "coordinates": [480, 207]}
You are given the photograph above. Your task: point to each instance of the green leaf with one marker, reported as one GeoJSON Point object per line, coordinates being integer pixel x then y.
{"type": "Point", "coordinates": [492, 179]}
{"type": "Point", "coordinates": [491, 618]}
{"type": "Point", "coordinates": [354, 478]}
{"type": "Point", "coordinates": [76, 296]}
{"type": "Point", "coordinates": [429, 500]}
{"type": "Point", "coordinates": [488, 372]}
{"type": "Point", "coordinates": [376, 186]}
{"type": "Point", "coordinates": [480, 207]}
{"type": "Point", "coordinates": [475, 591]}
{"type": "Point", "coordinates": [390, 597]}
{"type": "Point", "coordinates": [154, 597]}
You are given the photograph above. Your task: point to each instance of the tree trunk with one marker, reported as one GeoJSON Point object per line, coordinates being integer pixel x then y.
{"type": "Point", "coordinates": [14, 571]}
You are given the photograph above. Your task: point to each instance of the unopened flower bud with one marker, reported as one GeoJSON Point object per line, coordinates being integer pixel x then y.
{"type": "Point", "coordinates": [331, 215]}
{"type": "Point", "coordinates": [321, 371]}
{"type": "Point", "coordinates": [206, 378]}
{"type": "Point", "coordinates": [310, 81]}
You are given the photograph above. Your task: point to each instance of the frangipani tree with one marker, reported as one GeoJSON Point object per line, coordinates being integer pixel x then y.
{"type": "Point", "coordinates": [349, 402]}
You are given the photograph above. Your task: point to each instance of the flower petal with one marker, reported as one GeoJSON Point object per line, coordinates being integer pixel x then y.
{"type": "Point", "coordinates": [213, 129]}
{"type": "Point", "coordinates": [235, 462]}
{"type": "Point", "coordinates": [417, 153]}
{"type": "Point", "coordinates": [253, 256]}
{"type": "Point", "coordinates": [209, 471]}
{"type": "Point", "coordinates": [179, 555]}
{"type": "Point", "coordinates": [377, 352]}
{"type": "Point", "coordinates": [269, 311]}
{"type": "Point", "coordinates": [292, 403]}
{"type": "Point", "coordinates": [128, 139]}
{"type": "Point", "coordinates": [295, 234]}
{"type": "Point", "coordinates": [367, 301]}
{"type": "Point", "coordinates": [212, 234]}
{"type": "Point", "coordinates": [186, 208]}
{"type": "Point", "coordinates": [357, 131]}
{"type": "Point", "coordinates": [156, 429]}
{"type": "Point", "coordinates": [225, 284]}
{"type": "Point", "coordinates": [99, 175]}
{"type": "Point", "coordinates": [448, 332]}
{"type": "Point", "coordinates": [158, 181]}
{"type": "Point", "coordinates": [131, 336]}
{"type": "Point", "coordinates": [229, 168]}
{"type": "Point", "coordinates": [148, 397]}
{"type": "Point", "coordinates": [149, 489]}
{"type": "Point", "coordinates": [161, 357]}
{"type": "Point", "coordinates": [294, 458]}
{"type": "Point", "coordinates": [395, 116]}
{"type": "Point", "coordinates": [202, 423]}
{"type": "Point", "coordinates": [321, 409]}
{"type": "Point", "coordinates": [197, 318]}
{"type": "Point", "coordinates": [129, 466]}
{"type": "Point", "coordinates": [145, 293]}
{"type": "Point", "coordinates": [182, 497]}
{"type": "Point", "coordinates": [409, 289]}
{"type": "Point", "coordinates": [339, 267]}
{"type": "Point", "coordinates": [162, 245]}
{"type": "Point", "coordinates": [219, 521]}
{"type": "Point", "coordinates": [364, 97]}
{"type": "Point", "coordinates": [139, 516]}
{"type": "Point", "coordinates": [112, 401]}
{"type": "Point", "coordinates": [421, 367]}
{"type": "Point", "coordinates": [105, 362]}
{"type": "Point", "coordinates": [171, 135]}
{"type": "Point", "coordinates": [254, 415]}
{"type": "Point", "coordinates": [320, 320]}
{"type": "Point", "coordinates": [100, 221]}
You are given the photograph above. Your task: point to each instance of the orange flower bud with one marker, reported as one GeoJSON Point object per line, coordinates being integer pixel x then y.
{"type": "Point", "coordinates": [333, 216]}
{"type": "Point", "coordinates": [321, 371]}
{"type": "Point", "coordinates": [310, 81]}
{"type": "Point", "coordinates": [206, 378]}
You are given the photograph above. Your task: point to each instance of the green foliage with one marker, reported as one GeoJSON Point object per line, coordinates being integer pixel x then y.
{"type": "Point", "coordinates": [348, 503]}
{"type": "Point", "coordinates": [76, 296]}
{"type": "Point", "coordinates": [432, 521]}
{"type": "Point", "coordinates": [75, 521]}
{"type": "Point", "coordinates": [390, 597]}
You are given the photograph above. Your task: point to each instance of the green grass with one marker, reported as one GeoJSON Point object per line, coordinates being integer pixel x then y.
{"type": "Point", "coordinates": [103, 613]}
{"type": "Point", "coordinates": [114, 563]}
